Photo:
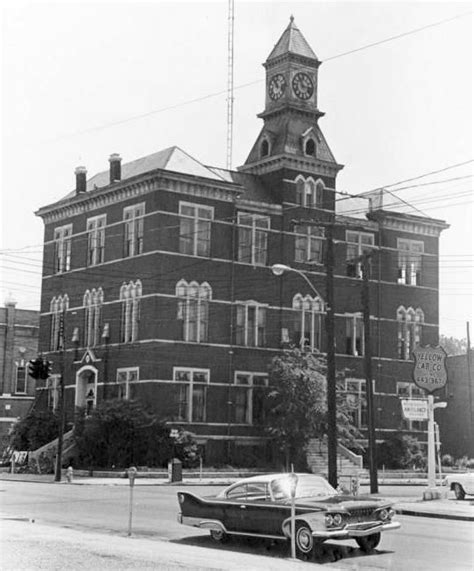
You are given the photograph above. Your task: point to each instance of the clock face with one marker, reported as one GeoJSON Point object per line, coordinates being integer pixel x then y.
{"type": "Point", "coordinates": [277, 86]}
{"type": "Point", "coordinates": [302, 85]}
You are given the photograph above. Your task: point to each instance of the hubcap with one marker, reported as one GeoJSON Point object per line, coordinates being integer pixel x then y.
{"type": "Point", "coordinates": [305, 540]}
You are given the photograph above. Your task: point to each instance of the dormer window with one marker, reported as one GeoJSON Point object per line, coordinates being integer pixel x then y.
{"type": "Point", "coordinates": [310, 148]}
{"type": "Point", "coordinates": [264, 148]}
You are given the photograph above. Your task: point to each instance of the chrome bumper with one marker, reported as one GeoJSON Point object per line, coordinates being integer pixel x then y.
{"type": "Point", "coordinates": [356, 530]}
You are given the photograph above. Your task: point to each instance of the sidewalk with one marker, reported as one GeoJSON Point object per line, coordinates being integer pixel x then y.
{"type": "Point", "coordinates": [446, 508]}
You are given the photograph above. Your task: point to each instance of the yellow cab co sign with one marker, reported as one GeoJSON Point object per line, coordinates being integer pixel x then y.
{"type": "Point", "coordinates": [429, 371]}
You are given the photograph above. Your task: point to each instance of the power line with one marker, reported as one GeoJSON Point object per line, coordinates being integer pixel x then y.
{"type": "Point", "coordinates": [243, 85]}
{"type": "Point", "coordinates": [402, 35]}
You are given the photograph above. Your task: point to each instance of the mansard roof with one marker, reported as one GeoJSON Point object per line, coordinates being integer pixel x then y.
{"type": "Point", "coordinates": [292, 41]}
{"type": "Point", "coordinates": [172, 159]}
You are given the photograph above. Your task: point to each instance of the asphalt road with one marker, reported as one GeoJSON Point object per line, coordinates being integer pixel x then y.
{"type": "Point", "coordinates": [421, 543]}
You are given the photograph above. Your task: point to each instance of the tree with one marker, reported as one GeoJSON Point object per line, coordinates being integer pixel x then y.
{"type": "Point", "coordinates": [400, 452]}
{"type": "Point", "coordinates": [122, 433]}
{"type": "Point", "coordinates": [453, 346]}
{"type": "Point", "coordinates": [297, 404]}
{"type": "Point", "coordinates": [35, 430]}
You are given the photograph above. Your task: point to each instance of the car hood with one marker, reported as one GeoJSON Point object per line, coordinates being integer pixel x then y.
{"type": "Point", "coordinates": [345, 502]}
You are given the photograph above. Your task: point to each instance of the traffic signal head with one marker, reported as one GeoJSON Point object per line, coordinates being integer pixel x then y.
{"type": "Point", "coordinates": [34, 367]}
{"type": "Point", "coordinates": [45, 369]}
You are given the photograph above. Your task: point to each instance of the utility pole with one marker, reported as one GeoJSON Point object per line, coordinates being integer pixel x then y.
{"type": "Point", "coordinates": [469, 379]}
{"type": "Point", "coordinates": [62, 407]}
{"type": "Point", "coordinates": [368, 375]}
{"type": "Point", "coordinates": [331, 359]}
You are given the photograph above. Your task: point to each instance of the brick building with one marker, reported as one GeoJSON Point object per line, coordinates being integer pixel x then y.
{"type": "Point", "coordinates": [456, 428]}
{"type": "Point", "coordinates": [159, 273]}
{"type": "Point", "coordinates": [18, 344]}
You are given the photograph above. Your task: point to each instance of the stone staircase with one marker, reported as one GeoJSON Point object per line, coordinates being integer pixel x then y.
{"type": "Point", "coordinates": [49, 450]}
{"type": "Point", "coordinates": [348, 463]}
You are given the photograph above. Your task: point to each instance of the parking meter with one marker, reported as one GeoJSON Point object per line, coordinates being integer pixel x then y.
{"type": "Point", "coordinates": [132, 473]}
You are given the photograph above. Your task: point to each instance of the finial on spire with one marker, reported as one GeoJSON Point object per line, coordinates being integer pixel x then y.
{"type": "Point", "coordinates": [292, 19]}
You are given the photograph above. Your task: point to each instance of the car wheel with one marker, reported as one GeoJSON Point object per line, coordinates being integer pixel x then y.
{"type": "Point", "coordinates": [369, 542]}
{"type": "Point", "coordinates": [304, 541]}
{"type": "Point", "coordinates": [219, 535]}
{"type": "Point", "coordinates": [459, 491]}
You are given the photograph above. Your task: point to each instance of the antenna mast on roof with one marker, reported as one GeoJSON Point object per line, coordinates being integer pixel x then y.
{"type": "Point", "coordinates": [230, 81]}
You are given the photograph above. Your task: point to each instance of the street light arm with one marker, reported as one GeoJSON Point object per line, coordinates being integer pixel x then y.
{"type": "Point", "coordinates": [279, 269]}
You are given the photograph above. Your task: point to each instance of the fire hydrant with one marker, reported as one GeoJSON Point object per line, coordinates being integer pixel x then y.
{"type": "Point", "coordinates": [69, 474]}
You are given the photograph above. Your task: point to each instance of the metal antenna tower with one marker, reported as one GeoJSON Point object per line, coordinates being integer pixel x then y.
{"type": "Point", "coordinates": [230, 82]}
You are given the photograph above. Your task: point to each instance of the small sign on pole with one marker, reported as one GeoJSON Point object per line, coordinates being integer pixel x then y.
{"type": "Point", "coordinates": [415, 409]}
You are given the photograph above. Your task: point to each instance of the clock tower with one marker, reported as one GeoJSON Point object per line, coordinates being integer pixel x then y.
{"type": "Point", "coordinates": [291, 142]}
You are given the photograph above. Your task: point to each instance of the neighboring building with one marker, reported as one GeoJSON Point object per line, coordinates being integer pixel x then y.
{"type": "Point", "coordinates": [18, 344]}
{"type": "Point", "coordinates": [158, 272]}
{"type": "Point", "coordinates": [455, 422]}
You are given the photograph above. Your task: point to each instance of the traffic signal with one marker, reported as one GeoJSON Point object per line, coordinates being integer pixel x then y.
{"type": "Point", "coordinates": [46, 367]}
{"type": "Point", "coordinates": [34, 367]}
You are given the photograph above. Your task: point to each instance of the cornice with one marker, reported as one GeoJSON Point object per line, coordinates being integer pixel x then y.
{"type": "Point", "coordinates": [118, 192]}
{"type": "Point", "coordinates": [270, 164]}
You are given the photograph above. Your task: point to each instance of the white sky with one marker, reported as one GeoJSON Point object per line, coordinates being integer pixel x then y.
{"type": "Point", "coordinates": [393, 111]}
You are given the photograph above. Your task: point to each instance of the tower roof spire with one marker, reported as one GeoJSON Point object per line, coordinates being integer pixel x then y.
{"type": "Point", "coordinates": [292, 41]}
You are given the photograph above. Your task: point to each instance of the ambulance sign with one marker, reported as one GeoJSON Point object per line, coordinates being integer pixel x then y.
{"type": "Point", "coordinates": [429, 371]}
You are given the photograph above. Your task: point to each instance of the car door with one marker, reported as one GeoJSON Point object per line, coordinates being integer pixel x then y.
{"type": "Point", "coordinates": [235, 508]}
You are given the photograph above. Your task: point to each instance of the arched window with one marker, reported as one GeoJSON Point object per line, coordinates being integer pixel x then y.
{"type": "Point", "coordinates": [310, 148]}
{"type": "Point", "coordinates": [58, 308]}
{"type": "Point", "coordinates": [264, 148]}
{"type": "Point", "coordinates": [409, 330]}
{"type": "Point", "coordinates": [193, 309]}
{"type": "Point", "coordinates": [308, 192]}
{"type": "Point", "coordinates": [92, 316]}
{"type": "Point", "coordinates": [130, 295]}
{"type": "Point", "coordinates": [308, 322]}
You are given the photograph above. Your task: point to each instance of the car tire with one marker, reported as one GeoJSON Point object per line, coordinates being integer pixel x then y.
{"type": "Point", "coordinates": [219, 535]}
{"type": "Point", "coordinates": [459, 491]}
{"type": "Point", "coordinates": [304, 541]}
{"type": "Point", "coordinates": [369, 542]}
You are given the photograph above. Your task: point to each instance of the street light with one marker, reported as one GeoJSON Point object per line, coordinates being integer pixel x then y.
{"type": "Point", "coordinates": [278, 270]}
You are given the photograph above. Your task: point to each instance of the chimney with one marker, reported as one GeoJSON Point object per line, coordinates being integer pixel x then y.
{"type": "Point", "coordinates": [115, 167]}
{"type": "Point", "coordinates": [81, 181]}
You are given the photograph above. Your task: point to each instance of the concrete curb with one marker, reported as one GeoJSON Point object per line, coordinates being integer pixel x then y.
{"type": "Point", "coordinates": [435, 515]}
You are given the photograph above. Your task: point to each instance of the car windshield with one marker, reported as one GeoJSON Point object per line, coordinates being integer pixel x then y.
{"type": "Point", "coordinates": [306, 487]}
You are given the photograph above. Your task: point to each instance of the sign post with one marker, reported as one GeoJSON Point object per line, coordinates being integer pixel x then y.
{"type": "Point", "coordinates": [430, 374]}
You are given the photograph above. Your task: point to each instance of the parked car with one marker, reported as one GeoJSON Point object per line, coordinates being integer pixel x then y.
{"type": "Point", "coordinates": [260, 506]}
{"type": "Point", "coordinates": [461, 484]}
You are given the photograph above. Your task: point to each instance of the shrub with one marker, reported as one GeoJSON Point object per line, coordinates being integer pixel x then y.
{"type": "Point", "coordinates": [401, 452]}
{"type": "Point", "coordinates": [447, 460]}
{"type": "Point", "coordinates": [35, 430]}
{"type": "Point", "coordinates": [122, 433]}
{"type": "Point", "coordinates": [186, 449]}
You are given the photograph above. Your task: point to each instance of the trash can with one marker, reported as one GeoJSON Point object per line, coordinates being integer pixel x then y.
{"type": "Point", "coordinates": [175, 470]}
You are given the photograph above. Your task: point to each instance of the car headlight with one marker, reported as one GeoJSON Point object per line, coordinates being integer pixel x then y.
{"type": "Point", "coordinates": [385, 514]}
{"type": "Point", "coordinates": [329, 520]}
{"type": "Point", "coordinates": [337, 519]}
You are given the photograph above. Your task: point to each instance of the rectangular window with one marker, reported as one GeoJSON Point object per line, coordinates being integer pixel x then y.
{"type": "Point", "coordinates": [20, 379]}
{"type": "Point", "coordinates": [253, 237]}
{"type": "Point", "coordinates": [133, 219]}
{"type": "Point", "coordinates": [62, 248]}
{"type": "Point", "coordinates": [354, 335]}
{"type": "Point", "coordinates": [355, 397]}
{"type": "Point", "coordinates": [195, 229]}
{"type": "Point", "coordinates": [358, 244]}
{"type": "Point", "coordinates": [95, 240]}
{"type": "Point", "coordinates": [192, 394]}
{"type": "Point", "coordinates": [249, 397]}
{"type": "Point", "coordinates": [309, 242]}
{"type": "Point", "coordinates": [125, 380]}
{"type": "Point", "coordinates": [250, 325]}
{"type": "Point", "coordinates": [409, 261]}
